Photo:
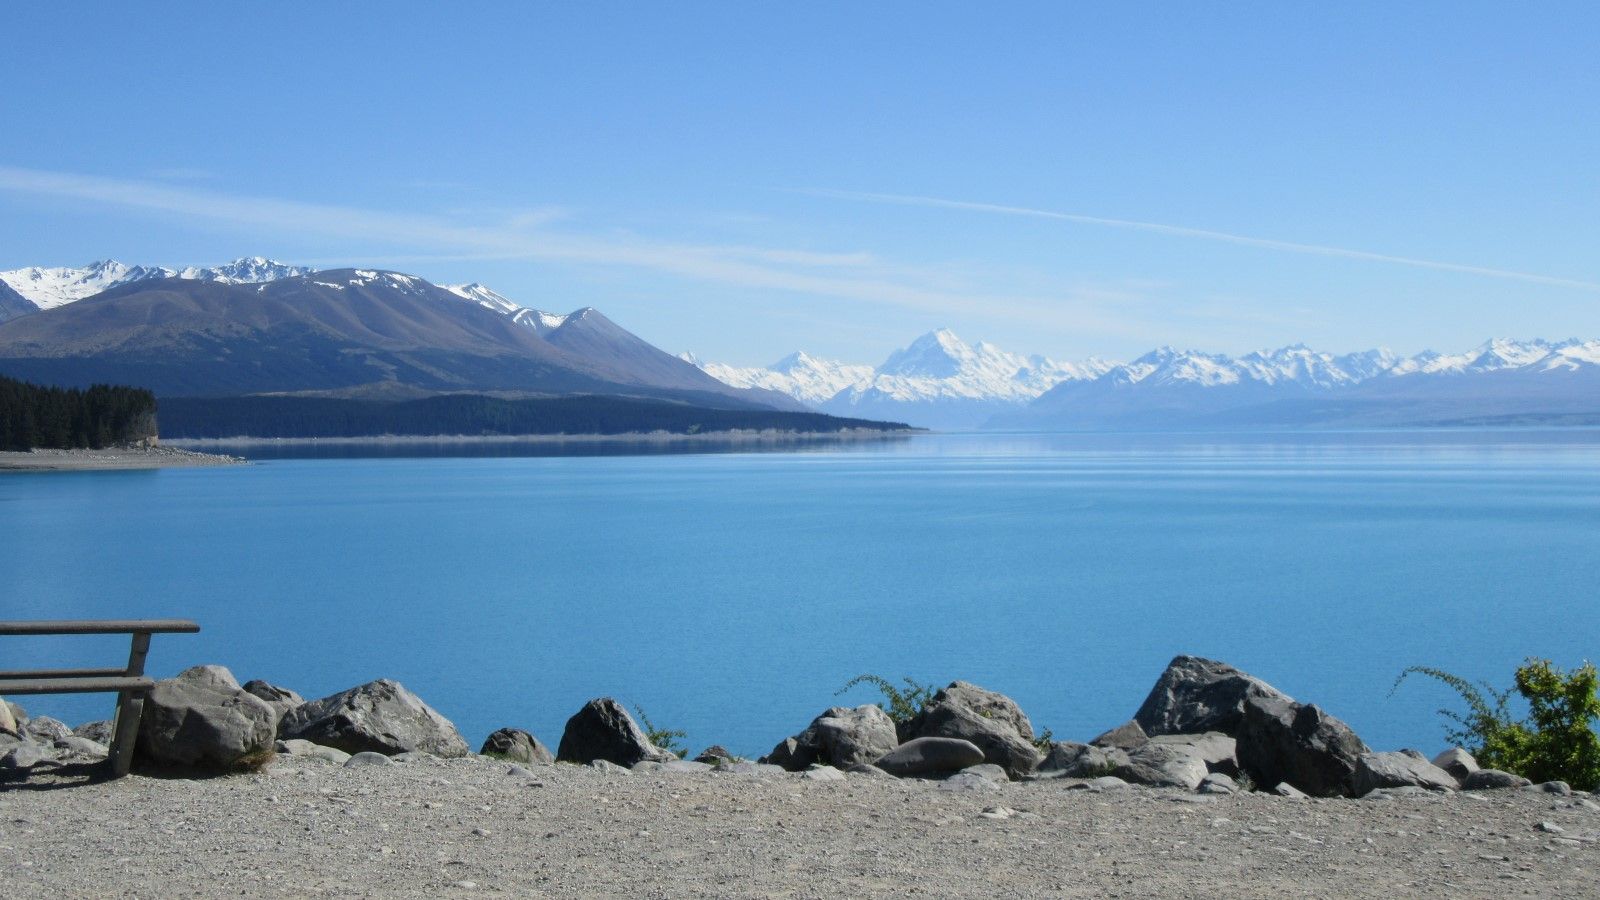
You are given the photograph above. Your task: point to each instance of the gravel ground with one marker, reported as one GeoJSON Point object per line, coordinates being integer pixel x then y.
{"type": "Point", "coordinates": [110, 458]}
{"type": "Point", "coordinates": [467, 827]}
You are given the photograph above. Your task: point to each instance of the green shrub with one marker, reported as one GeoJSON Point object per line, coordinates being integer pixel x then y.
{"type": "Point", "coordinates": [903, 704]}
{"type": "Point", "coordinates": [666, 739]}
{"type": "Point", "coordinates": [1556, 742]}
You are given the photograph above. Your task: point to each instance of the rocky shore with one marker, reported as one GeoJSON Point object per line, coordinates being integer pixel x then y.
{"type": "Point", "coordinates": [135, 457]}
{"type": "Point", "coordinates": [1218, 786]}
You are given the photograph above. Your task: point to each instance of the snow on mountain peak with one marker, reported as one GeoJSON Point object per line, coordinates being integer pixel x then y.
{"type": "Point", "coordinates": [540, 321]}
{"type": "Point", "coordinates": [936, 367]}
{"type": "Point", "coordinates": [48, 288]}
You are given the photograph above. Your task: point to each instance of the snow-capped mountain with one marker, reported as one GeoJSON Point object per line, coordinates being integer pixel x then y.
{"type": "Point", "coordinates": [938, 381]}
{"type": "Point", "coordinates": [48, 288]}
{"type": "Point", "coordinates": [541, 322]}
{"type": "Point", "coordinates": [1169, 388]}
{"type": "Point", "coordinates": [800, 375]}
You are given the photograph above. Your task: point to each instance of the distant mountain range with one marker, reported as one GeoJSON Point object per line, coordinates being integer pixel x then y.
{"type": "Point", "coordinates": [256, 326]}
{"type": "Point", "coordinates": [48, 288]}
{"type": "Point", "coordinates": [938, 381]}
{"type": "Point", "coordinates": [941, 382]}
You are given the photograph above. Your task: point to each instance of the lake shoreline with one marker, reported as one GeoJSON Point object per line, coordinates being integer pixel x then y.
{"type": "Point", "coordinates": [766, 436]}
{"type": "Point", "coordinates": [110, 458]}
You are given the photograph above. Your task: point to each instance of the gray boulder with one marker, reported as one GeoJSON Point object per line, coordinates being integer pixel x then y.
{"type": "Point", "coordinates": [790, 756]}
{"type": "Point", "coordinates": [1493, 779]}
{"type": "Point", "coordinates": [1164, 765]}
{"type": "Point", "coordinates": [603, 730]}
{"type": "Point", "coordinates": [1217, 750]}
{"type": "Point", "coordinates": [99, 731]}
{"type": "Point", "coordinates": [714, 754]}
{"type": "Point", "coordinates": [822, 773]}
{"type": "Point", "coordinates": [930, 757]}
{"type": "Point", "coordinates": [46, 730]}
{"type": "Point", "coordinates": [1127, 736]}
{"type": "Point", "coordinates": [1284, 789]}
{"type": "Point", "coordinates": [516, 745]}
{"type": "Point", "coordinates": [841, 737]}
{"type": "Point", "coordinates": [1196, 695]}
{"type": "Point", "coordinates": [1070, 759]}
{"type": "Point", "coordinates": [22, 756]}
{"type": "Point", "coordinates": [1406, 768]}
{"type": "Point", "coordinates": [988, 719]}
{"type": "Point", "coordinates": [866, 770]}
{"type": "Point", "coordinates": [282, 700]}
{"type": "Point", "coordinates": [202, 719]}
{"type": "Point", "coordinates": [1284, 741]}
{"type": "Point", "coordinates": [306, 750]}
{"type": "Point", "coordinates": [1458, 762]}
{"type": "Point", "coordinates": [81, 747]}
{"type": "Point", "coordinates": [379, 716]}
{"type": "Point", "coordinates": [367, 759]}
{"type": "Point", "coordinates": [1218, 783]}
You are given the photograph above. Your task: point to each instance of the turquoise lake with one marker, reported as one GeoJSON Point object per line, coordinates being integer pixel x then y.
{"type": "Point", "coordinates": [730, 594]}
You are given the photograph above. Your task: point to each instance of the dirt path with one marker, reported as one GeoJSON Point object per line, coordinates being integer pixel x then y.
{"type": "Point", "coordinates": [431, 827]}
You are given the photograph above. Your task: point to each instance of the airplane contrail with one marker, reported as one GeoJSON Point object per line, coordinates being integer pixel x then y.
{"type": "Point", "coordinates": [1206, 234]}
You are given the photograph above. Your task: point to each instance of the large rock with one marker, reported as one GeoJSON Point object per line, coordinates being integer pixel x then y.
{"type": "Point", "coordinates": [202, 719]}
{"type": "Point", "coordinates": [1492, 780]}
{"type": "Point", "coordinates": [516, 745]}
{"type": "Point", "coordinates": [1283, 741]}
{"type": "Point", "coordinates": [1179, 760]}
{"type": "Point", "coordinates": [1196, 695]}
{"type": "Point", "coordinates": [46, 730]}
{"type": "Point", "coordinates": [603, 730]}
{"type": "Point", "coordinates": [1070, 759]}
{"type": "Point", "coordinates": [1458, 762]}
{"type": "Point", "coordinates": [930, 757]}
{"type": "Point", "coordinates": [1127, 736]}
{"type": "Point", "coordinates": [846, 736]}
{"type": "Point", "coordinates": [1219, 751]}
{"type": "Point", "coordinates": [282, 700]}
{"type": "Point", "coordinates": [8, 722]}
{"type": "Point", "coordinates": [1406, 768]}
{"type": "Point", "coordinates": [379, 716]}
{"type": "Point", "coordinates": [988, 719]}
{"type": "Point", "coordinates": [98, 731]}
{"type": "Point", "coordinates": [841, 737]}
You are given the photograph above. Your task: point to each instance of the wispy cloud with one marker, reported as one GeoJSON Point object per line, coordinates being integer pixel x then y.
{"type": "Point", "coordinates": [855, 277]}
{"type": "Point", "coordinates": [1205, 234]}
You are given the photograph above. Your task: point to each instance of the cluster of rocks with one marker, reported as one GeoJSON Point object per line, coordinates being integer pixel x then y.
{"type": "Point", "coordinates": [1205, 727]}
{"type": "Point", "coordinates": [204, 720]}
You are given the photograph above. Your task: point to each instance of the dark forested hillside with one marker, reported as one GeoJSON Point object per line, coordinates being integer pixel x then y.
{"type": "Point", "coordinates": [33, 416]}
{"type": "Point", "coordinates": [472, 414]}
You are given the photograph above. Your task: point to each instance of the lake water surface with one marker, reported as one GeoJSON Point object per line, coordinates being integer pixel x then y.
{"type": "Point", "coordinates": [730, 594]}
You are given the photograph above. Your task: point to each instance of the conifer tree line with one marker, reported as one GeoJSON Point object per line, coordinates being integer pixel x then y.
{"type": "Point", "coordinates": [101, 416]}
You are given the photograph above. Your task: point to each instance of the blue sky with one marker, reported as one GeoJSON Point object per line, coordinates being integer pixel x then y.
{"type": "Point", "coordinates": [743, 180]}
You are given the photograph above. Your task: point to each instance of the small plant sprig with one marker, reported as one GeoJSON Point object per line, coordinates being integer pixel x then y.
{"type": "Point", "coordinates": [666, 739]}
{"type": "Point", "coordinates": [903, 704]}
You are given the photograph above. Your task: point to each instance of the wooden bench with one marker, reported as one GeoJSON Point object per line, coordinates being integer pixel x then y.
{"type": "Point", "coordinates": [129, 684]}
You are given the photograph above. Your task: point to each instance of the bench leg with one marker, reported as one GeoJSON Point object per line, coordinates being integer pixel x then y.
{"type": "Point", "coordinates": [130, 707]}
{"type": "Point", "coordinates": [125, 732]}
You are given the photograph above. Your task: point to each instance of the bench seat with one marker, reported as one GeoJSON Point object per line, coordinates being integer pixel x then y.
{"type": "Point", "coordinates": [133, 684]}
